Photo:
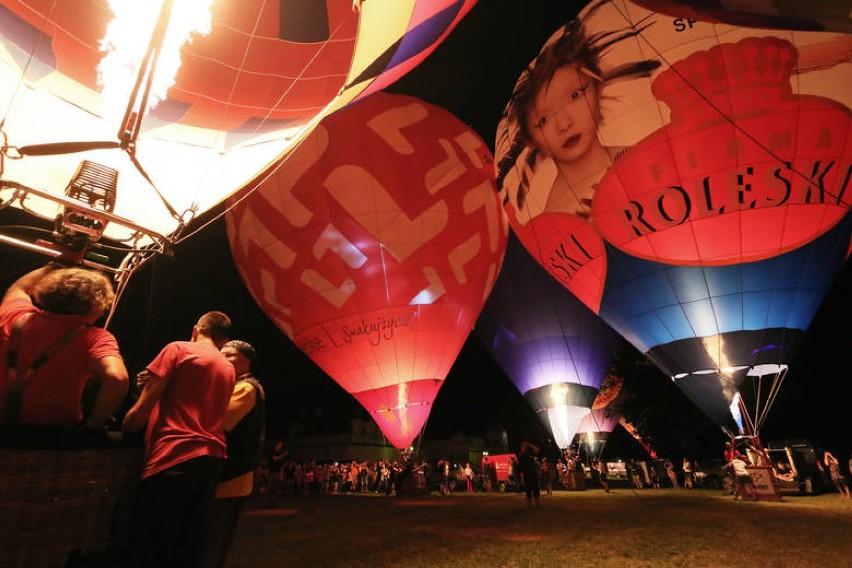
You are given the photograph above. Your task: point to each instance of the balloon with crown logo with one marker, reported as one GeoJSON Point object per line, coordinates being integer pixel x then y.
{"type": "Point", "coordinates": [374, 247]}
{"type": "Point", "coordinates": [694, 193]}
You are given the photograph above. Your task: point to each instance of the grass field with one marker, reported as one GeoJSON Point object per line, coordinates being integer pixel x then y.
{"type": "Point", "coordinates": [651, 528]}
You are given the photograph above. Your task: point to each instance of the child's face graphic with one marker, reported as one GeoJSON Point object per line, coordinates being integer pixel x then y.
{"type": "Point", "coordinates": [564, 119]}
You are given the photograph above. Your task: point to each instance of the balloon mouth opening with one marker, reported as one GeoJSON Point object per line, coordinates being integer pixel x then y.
{"type": "Point", "coordinates": [399, 407]}
{"type": "Point", "coordinates": [753, 371]}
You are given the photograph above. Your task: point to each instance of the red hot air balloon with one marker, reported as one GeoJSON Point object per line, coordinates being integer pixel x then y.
{"type": "Point", "coordinates": [159, 113]}
{"type": "Point", "coordinates": [689, 182]}
{"type": "Point", "coordinates": [374, 247]}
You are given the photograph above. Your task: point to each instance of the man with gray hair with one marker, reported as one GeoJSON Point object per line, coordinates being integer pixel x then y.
{"type": "Point", "coordinates": [245, 433]}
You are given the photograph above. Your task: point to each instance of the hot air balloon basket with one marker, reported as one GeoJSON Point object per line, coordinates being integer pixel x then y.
{"type": "Point", "coordinates": [58, 505]}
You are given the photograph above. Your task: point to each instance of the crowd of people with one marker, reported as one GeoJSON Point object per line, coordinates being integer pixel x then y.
{"type": "Point", "coordinates": [739, 473]}
{"type": "Point", "coordinates": [280, 478]}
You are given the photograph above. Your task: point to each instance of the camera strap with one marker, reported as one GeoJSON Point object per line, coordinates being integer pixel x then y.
{"type": "Point", "coordinates": [17, 378]}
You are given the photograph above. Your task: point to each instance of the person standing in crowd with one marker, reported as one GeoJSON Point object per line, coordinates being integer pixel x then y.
{"type": "Point", "coordinates": [182, 407]}
{"type": "Point", "coordinates": [743, 488]}
{"type": "Point", "coordinates": [548, 473]}
{"type": "Point", "coordinates": [468, 477]}
{"type": "Point", "coordinates": [688, 474]}
{"type": "Point", "coordinates": [602, 474]}
{"type": "Point", "coordinates": [530, 472]}
{"type": "Point", "coordinates": [488, 483]}
{"type": "Point", "coordinates": [671, 473]}
{"type": "Point", "coordinates": [277, 462]}
{"type": "Point", "coordinates": [514, 474]}
{"type": "Point", "coordinates": [444, 470]}
{"type": "Point", "coordinates": [51, 352]}
{"type": "Point", "coordinates": [837, 477]}
{"type": "Point", "coordinates": [245, 434]}
{"type": "Point", "coordinates": [729, 453]}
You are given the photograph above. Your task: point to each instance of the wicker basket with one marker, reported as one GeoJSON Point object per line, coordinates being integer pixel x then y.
{"type": "Point", "coordinates": [55, 504]}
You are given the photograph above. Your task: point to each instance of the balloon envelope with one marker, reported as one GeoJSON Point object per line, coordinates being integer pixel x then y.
{"type": "Point", "coordinates": [693, 192]}
{"type": "Point", "coordinates": [374, 247]}
{"type": "Point", "coordinates": [552, 347]}
{"type": "Point", "coordinates": [606, 408]}
{"type": "Point", "coordinates": [813, 15]}
{"type": "Point", "coordinates": [242, 92]}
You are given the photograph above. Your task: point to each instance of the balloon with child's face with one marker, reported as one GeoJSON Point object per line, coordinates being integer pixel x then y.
{"type": "Point", "coordinates": [711, 215]}
{"type": "Point", "coordinates": [824, 15]}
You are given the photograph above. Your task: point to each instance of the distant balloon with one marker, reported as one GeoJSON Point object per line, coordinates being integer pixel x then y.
{"type": "Point", "coordinates": [553, 348]}
{"type": "Point", "coordinates": [606, 413]}
{"type": "Point", "coordinates": [810, 15]}
{"type": "Point", "coordinates": [374, 248]}
{"type": "Point", "coordinates": [229, 95]}
{"type": "Point", "coordinates": [688, 182]}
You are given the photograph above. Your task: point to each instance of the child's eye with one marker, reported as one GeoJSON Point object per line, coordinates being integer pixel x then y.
{"type": "Point", "coordinates": [541, 122]}
{"type": "Point", "coordinates": [577, 94]}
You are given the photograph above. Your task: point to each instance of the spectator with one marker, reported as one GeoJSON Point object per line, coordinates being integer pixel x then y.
{"type": "Point", "coordinates": [57, 348]}
{"type": "Point", "coordinates": [635, 474]}
{"type": "Point", "coordinates": [654, 474]}
{"type": "Point", "coordinates": [688, 474]}
{"type": "Point", "coordinates": [670, 471]}
{"type": "Point", "coordinates": [277, 466]}
{"type": "Point", "coordinates": [444, 470]}
{"type": "Point", "coordinates": [548, 474]}
{"type": "Point", "coordinates": [743, 488]}
{"type": "Point", "coordinates": [245, 432]}
{"type": "Point", "coordinates": [514, 474]}
{"type": "Point", "coordinates": [261, 481]}
{"type": "Point", "coordinates": [530, 471]}
{"type": "Point", "coordinates": [183, 404]}
{"type": "Point", "coordinates": [393, 479]}
{"type": "Point", "coordinates": [468, 477]}
{"type": "Point", "coordinates": [489, 475]}
{"type": "Point", "coordinates": [730, 452]}
{"type": "Point", "coordinates": [600, 466]}
{"type": "Point", "coordinates": [836, 476]}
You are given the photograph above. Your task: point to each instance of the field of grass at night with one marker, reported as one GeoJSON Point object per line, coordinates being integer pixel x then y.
{"type": "Point", "coordinates": [654, 528]}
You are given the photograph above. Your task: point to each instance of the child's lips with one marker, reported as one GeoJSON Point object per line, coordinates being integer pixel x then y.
{"type": "Point", "coordinates": [571, 142]}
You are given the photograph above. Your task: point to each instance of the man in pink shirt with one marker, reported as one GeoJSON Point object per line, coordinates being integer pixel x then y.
{"type": "Point", "coordinates": [183, 402]}
{"type": "Point", "coordinates": [49, 351]}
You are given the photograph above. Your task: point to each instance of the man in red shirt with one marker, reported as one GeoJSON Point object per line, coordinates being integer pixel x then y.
{"type": "Point", "coordinates": [183, 403]}
{"type": "Point", "coordinates": [49, 353]}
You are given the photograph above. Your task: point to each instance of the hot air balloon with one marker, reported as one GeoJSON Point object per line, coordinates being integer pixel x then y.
{"type": "Point", "coordinates": [554, 349]}
{"type": "Point", "coordinates": [814, 15]}
{"type": "Point", "coordinates": [129, 119]}
{"type": "Point", "coordinates": [605, 415]}
{"type": "Point", "coordinates": [688, 182]}
{"type": "Point", "coordinates": [373, 247]}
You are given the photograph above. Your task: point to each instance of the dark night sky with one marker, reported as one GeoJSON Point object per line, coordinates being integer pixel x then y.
{"type": "Point", "coordinates": [471, 75]}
